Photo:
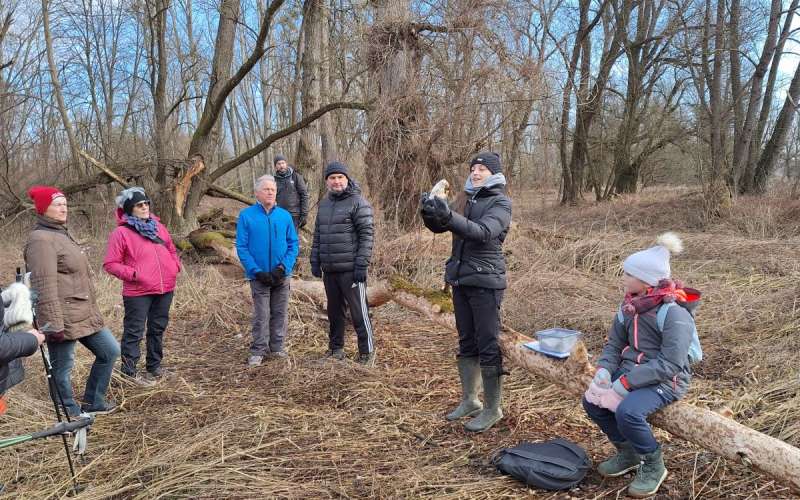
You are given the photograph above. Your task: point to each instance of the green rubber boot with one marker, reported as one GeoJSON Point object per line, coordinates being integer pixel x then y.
{"type": "Point", "coordinates": [493, 399]}
{"type": "Point", "coordinates": [649, 476]}
{"type": "Point", "coordinates": [625, 460]}
{"type": "Point", "coordinates": [469, 371]}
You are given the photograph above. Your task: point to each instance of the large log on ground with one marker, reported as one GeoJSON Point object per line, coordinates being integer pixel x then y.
{"type": "Point", "coordinates": [377, 294]}
{"type": "Point", "coordinates": [714, 432]}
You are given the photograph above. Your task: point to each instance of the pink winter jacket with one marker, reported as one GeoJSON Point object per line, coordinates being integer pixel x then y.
{"type": "Point", "coordinates": [144, 266]}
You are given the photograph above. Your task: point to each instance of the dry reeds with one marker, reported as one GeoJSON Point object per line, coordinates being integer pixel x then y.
{"type": "Point", "coordinates": [311, 428]}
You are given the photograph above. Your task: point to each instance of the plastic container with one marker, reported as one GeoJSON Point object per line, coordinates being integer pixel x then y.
{"type": "Point", "coordinates": [558, 340]}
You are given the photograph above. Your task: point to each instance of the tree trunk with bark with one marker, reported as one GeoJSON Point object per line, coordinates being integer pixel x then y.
{"type": "Point", "coordinates": [397, 168]}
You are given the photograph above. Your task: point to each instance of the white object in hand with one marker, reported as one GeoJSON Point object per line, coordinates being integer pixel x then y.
{"type": "Point", "coordinates": [441, 189]}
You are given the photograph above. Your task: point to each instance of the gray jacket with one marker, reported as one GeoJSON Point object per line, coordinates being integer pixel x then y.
{"type": "Point", "coordinates": [292, 193]}
{"type": "Point", "coordinates": [649, 357]}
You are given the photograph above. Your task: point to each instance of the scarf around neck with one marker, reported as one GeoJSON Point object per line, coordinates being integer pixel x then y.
{"type": "Point", "coordinates": [667, 290]}
{"type": "Point", "coordinates": [288, 173]}
{"type": "Point", "coordinates": [491, 181]}
{"type": "Point", "coordinates": [147, 228]}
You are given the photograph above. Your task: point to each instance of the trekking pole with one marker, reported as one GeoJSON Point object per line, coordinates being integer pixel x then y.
{"type": "Point", "coordinates": [60, 428]}
{"type": "Point", "coordinates": [55, 394]}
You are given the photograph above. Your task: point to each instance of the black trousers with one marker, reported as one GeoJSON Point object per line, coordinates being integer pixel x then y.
{"type": "Point", "coordinates": [341, 291]}
{"type": "Point", "coordinates": [144, 314]}
{"type": "Point", "coordinates": [477, 312]}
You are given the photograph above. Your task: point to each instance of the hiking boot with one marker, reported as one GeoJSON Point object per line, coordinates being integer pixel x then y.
{"type": "Point", "coordinates": [108, 408]}
{"type": "Point", "coordinates": [649, 476]}
{"type": "Point", "coordinates": [469, 371]}
{"type": "Point", "coordinates": [277, 355]}
{"type": "Point", "coordinates": [493, 398]}
{"type": "Point", "coordinates": [254, 361]}
{"type": "Point", "coordinates": [625, 460]}
{"type": "Point", "coordinates": [337, 354]}
{"type": "Point", "coordinates": [367, 359]}
{"type": "Point", "coordinates": [138, 379]}
{"type": "Point", "coordinates": [157, 372]}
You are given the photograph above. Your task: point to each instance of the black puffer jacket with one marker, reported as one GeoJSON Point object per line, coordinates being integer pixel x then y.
{"type": "Point", "coordinates": [478, 235]}
{"type": "Point", "coordinates": [13, 346]}
{"type": "Point", "coordinates": [292, 193]}
{"type": "Point", "coordinates": [343, 232]}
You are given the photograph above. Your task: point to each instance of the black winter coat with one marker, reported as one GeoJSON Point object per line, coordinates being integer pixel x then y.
{"type": "Point", "coordinates": [13, 346]}
{"type": "Point", "coordinates": [477, 254]}
{"type": "Point", "coordinates": [292, 194]}
{"type": "Point", "coordinates": [343, 232]}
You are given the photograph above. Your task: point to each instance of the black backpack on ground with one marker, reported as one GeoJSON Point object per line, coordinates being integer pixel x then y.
{"type": "Point", "coordinates": [552, 465]}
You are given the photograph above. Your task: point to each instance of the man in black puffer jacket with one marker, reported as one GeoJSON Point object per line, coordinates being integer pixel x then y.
{"type": "Point", "coordinates": [341, 252]}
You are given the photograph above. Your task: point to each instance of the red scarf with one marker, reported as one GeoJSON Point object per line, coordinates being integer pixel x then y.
{"type": "Point", "coordinates": [667, 290]}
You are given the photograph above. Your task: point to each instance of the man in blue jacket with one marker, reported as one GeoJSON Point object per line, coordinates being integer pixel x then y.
{"type": "Point", "coordinates": [266, 242]}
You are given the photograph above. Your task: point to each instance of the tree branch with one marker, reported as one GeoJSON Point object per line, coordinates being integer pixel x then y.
{"type": "Point", "coordinates": [252, 152]}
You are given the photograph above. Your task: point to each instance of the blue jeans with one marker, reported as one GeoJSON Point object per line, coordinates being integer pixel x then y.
{"type": "Point", "coordinates": [630, 421]}
{"type": "Point", "coordinates": [62, 356]}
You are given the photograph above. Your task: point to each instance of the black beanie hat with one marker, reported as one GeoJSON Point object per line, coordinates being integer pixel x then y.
{"type": "Point", "coordinates": [336, 167]}
{"type": "Point", "coordinates": [489, 160]}
{"type": "Point", "coordinates": [136, 197]}
{"type": "Point", "coordinates": [278, 158]}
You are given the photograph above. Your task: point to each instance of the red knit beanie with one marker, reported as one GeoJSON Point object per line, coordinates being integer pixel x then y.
{"type": "Point", "coordinates": [43, 196]}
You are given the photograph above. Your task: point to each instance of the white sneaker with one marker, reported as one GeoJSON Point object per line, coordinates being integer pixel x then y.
{"type": "Point", "coordinates": [255, 360]}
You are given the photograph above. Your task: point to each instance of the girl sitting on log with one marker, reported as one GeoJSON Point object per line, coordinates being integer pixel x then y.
{"type": "Point", "coordinates": [645, 364]}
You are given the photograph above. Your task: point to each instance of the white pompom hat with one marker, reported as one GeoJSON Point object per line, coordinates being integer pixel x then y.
{"type": "Point", "coordinates": [652, 265]}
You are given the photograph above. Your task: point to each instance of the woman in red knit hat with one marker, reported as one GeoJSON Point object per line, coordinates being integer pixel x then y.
{"type": "Point", "coordinates": [67, 310]}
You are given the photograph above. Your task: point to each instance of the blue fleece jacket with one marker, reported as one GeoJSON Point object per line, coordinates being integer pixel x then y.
{"type": "Point", "coordinates": [264, 240]}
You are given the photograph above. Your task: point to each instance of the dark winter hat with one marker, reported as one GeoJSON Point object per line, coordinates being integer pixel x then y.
{"type": "Point", "coordinates": [43, 196]}
{"type": "Point", "coordinates": [336, 167]}
{"type": "Point", "coordinates": [128, 199]}
{"type": "Point", "coordinates": [278, 158]}
{"type": "Point", "coordinates": [489, 160]}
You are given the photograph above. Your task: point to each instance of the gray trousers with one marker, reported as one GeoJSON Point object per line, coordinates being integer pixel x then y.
{"type": "Point", "coordinates": [270, 308]}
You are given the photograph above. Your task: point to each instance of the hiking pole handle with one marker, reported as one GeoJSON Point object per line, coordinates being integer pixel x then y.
{"type": "Point", "coordinates": [65, 427]}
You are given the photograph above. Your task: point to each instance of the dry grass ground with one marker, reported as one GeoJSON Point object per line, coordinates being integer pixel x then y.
{"type": "Point", "coordinates": [316, 429]}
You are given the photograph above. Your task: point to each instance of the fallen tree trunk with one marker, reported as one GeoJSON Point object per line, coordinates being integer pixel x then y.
{"type": "Point", "coordinates": [714, 432]}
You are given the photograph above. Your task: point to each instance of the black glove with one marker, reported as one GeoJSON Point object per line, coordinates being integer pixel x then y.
{"type": "Point", "coordinates": [264, 278]}
{"type": "Point", "coordinates": [440, 210]}
{"type": "Point", "coordinates": [426, 205]}
{"type": "Point", "coordinates": [360, 275]}
{"type": "Point", "coordinates": [278, 274]}
{"type": "Point", "coordinates": [301, 223]}
{"type": "Point", "coordinates": [316, 271]}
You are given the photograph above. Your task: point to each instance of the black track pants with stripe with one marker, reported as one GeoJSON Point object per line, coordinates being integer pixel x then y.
{"type": "Point", "coordinates": [341, 291]}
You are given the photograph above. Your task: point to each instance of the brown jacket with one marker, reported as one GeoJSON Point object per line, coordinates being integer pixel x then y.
{"type": "Point", "coordinates": [60, 274]}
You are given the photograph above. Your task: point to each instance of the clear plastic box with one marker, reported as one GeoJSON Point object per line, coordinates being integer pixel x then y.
{"type": "Point", "coordinates": [559, 340]}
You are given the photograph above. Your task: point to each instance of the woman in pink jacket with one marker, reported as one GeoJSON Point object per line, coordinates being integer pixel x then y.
{"type": "Point", "coordinates": [141, 254]}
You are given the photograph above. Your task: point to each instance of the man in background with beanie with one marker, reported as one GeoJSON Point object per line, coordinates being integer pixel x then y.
{"type": "Point", "coordinates": [340, 255]}
{"type": "Point", "coordinates": [292, 191]}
